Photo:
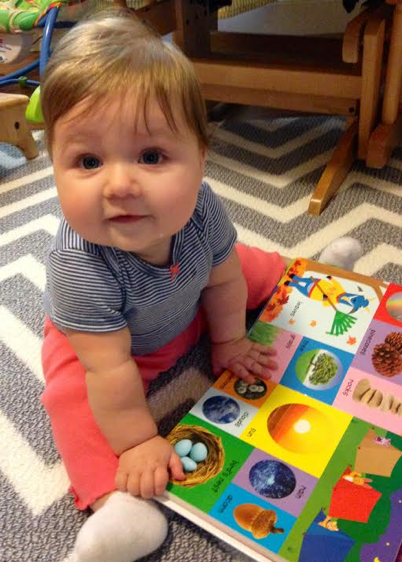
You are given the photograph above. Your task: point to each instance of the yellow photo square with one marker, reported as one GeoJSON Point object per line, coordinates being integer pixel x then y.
{"type": "Point", "coordinates": [297, 429]}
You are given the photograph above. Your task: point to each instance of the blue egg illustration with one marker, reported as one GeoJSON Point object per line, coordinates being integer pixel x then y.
{"type": "Point", "coordinates": [183, 447]}
{"type": "Point", "coordinates": [220, 409]}
{"type": "Point", "coordinates": [188, 464]}
{"type": "Point", "coordinates": [199, 452]}
{"type": "Point", "coordinates": [272, 479]}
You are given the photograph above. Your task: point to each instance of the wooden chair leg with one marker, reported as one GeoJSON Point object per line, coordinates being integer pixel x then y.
{"type": "Point", "coordinates": [373, 44]}
{"type": "Point", "coordinates": [383, 140]}
{"type": "Point", "coordinates": [336, 169]}
{"type": "Point", "coordinates": [388, 135]}
{"type": "Point", "coordinates": [393, 80]}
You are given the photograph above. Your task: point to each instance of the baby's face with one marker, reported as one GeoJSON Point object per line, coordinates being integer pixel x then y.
{"type": "Point", "coordinates": [126, 187]}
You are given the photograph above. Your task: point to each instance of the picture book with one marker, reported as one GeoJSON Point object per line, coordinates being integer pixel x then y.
{"type": "Point", "coordinates": [305, 466]}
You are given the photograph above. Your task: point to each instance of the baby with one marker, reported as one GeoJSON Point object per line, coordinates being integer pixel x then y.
{"type": "Point", "coordinates": [144, 261]}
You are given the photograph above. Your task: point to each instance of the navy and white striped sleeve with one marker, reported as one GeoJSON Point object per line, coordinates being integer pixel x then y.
{"type": "Point", "coordinates": [221, 232]}
{"type": "Point", "coordinates": [84, 294]}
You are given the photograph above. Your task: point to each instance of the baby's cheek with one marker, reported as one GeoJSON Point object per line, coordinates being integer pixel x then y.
{"type": "Point", "coordinates": [74, 212]}
{"type": "Point", "coordinates": [80, 214]}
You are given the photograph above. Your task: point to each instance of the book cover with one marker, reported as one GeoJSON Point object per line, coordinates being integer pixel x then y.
{"type": "Point", "coordinates": [306, 466]}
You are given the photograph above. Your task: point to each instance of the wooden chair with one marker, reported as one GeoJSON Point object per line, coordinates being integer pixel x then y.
{"type": "Point", "coordinates": [13, 127]}
{"type": "Point", "coordinates": [294, 73]}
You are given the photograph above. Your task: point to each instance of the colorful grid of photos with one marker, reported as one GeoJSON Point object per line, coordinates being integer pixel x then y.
{"type": "Point", "coordinates": [296, 464]}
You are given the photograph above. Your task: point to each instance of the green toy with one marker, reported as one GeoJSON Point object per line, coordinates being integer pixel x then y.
{"type": "Point", "coordinates": [33, 112]}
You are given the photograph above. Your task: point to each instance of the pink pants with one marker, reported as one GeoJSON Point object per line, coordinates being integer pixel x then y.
{"type": "Point", "coordinates": [90, 462]}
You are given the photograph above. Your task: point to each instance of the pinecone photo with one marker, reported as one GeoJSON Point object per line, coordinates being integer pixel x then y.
{"type": "Point", "coordinates": [395, 339]}
{"type": "Point", "coordinates": [387, 356]}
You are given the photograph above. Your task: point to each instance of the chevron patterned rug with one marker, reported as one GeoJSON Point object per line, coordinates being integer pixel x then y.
{"type": "Point", "coordinates": [265, 172]}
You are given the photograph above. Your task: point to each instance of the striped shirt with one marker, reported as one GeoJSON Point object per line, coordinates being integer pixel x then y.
{"type": "Point", "coordinates": [94, 288]}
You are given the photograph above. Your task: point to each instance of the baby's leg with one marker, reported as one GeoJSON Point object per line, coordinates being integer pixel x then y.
{"type": "Point", "coordinates": [89, 460]}
{"type": "Point", "coordinates": [122, 529]}
{"type": "Point", "coordinates": [262, 271]}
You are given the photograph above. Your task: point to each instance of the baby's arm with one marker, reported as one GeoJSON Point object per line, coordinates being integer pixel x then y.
{"type": "Point", "coordinates": [224, 301]}
{"type": "Point", "coordinates": [117, 400]}
{"type": "Point", "coordinates": [114, 385]}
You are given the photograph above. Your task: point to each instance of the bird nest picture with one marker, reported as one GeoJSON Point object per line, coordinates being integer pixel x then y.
{"type": "Point", "coordinates": [214, 462]}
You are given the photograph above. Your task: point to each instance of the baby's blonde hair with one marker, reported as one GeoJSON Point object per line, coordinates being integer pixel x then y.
{"type": "Point", "coordinates": [114, 55]}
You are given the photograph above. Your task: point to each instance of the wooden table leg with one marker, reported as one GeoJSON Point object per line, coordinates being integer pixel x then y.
{"type": "Point", "coordinates": [336, 170]}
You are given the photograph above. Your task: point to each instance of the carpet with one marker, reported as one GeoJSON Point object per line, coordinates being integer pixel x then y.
{"type": "Point", "coordinates": [265, 172]}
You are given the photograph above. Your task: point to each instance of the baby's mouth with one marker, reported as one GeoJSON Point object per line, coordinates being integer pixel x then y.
{"type": "Point", "coordinates": [122, 219]}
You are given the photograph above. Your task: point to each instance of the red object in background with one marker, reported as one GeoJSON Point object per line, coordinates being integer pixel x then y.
{"type": "Point", "coordinates": [352, 502]}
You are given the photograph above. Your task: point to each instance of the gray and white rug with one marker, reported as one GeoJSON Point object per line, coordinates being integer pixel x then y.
{"type": "Point", "coordinates": [265, 172]}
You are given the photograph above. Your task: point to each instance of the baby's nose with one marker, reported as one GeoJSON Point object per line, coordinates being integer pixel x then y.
{"type": "Point", "coordinates": [121, 182]}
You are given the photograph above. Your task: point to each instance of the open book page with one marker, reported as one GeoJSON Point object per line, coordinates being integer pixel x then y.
{"type": "Point", "coordinates": [306, 466]}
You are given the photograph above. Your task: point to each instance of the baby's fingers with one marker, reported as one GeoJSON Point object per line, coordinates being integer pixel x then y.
{"type": "Point", "coordinates": [253, 367]}
{"type": "Point", "coordinates": [133, 484]}
{"type": "Point", "coordinates": [261, 359]}
{"type": "Point", "coordinates": [264, 350]}
{"type": "Point", "coordinates": [161, 479]}
{"type": "Point", "coordinates": [121, 480]}
{"type": "Point", "coordinates": [176, 467]}
{"type": "Point", "coordinates": [147, 484]}
{"type": "Point", "coordinates": [238, 369]}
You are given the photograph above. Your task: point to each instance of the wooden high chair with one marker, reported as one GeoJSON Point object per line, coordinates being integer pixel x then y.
{"type": "Point", "coordinates": [13, 126]}
{"type": "Point", "coordinates": [304, 74]}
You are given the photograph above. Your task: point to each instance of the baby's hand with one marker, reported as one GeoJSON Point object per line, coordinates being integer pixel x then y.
{"type": "Point", "coordinates": [243, 358]}
{"type": "Point", "coordinates": [144, 469]}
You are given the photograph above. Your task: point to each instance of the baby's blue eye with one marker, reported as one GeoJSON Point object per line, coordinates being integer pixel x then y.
{"type": "Point", "coordinates": [90, 162]}
{"type": "Point", "coordinates": [151, 157]}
